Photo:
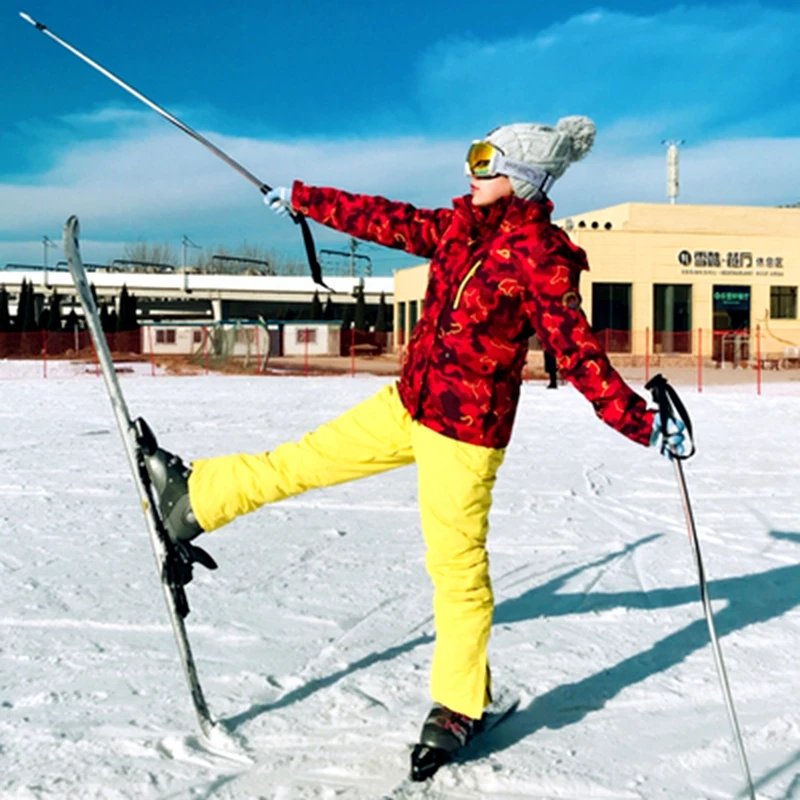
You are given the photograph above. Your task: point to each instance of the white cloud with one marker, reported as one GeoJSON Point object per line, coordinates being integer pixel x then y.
{"type": "Point", "coordinates": [150, 176]}
{"type": "Point", "coordinates": [161, 184]}
{"type": "Point", "coordinates": [723, 172]}
{"type": "Point", "coordinates": [155, 183]}
{"type": "Point", "coordinates": [115, 115]}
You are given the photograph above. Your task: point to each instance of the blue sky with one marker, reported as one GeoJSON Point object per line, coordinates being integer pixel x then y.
{"type": "Point", "coordinates": [375, 97]}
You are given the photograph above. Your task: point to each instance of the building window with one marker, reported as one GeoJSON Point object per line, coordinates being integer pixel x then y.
{"type": "Point", "coordinates": [306, 336]}
{"type": "Point", "coordinates": [165, 336]}
{"type": "Point", "coordinates": [400, 336]}
{"type": "Point", "coordinates": [611, 316]}
{"type": "Point", "coordinates": [783, 302]}
{"type": "Point", "coordinates": [197, 336]}
{"type": "Point", "coordinates": [672, 318]}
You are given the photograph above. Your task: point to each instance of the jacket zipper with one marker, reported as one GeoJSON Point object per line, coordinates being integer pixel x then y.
{"type": "Point", "coordinates": [464, 283]}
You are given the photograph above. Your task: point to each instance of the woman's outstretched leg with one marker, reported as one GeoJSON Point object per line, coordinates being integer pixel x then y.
{"type": "Point", "coordinates": [372, 437]}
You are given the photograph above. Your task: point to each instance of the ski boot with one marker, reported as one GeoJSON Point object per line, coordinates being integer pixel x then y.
{"type": "Point", "coordinates": [443, 733]}
{"type": "Point", "coordinates": [169, 477]}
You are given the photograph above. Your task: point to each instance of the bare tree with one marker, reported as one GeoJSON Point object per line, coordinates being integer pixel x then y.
{"type": "Point", "coordinates": [245, 259]}
{"type": "Point", "coordinates": [255, 260]}
{"type": "Point", "coordinates": [148, 253]}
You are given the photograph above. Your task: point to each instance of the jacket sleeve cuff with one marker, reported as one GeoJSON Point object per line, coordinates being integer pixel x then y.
{"type": "Point", "coordinates": [300, 197]}
{"type": "Point", "coordinates": [646, 435]}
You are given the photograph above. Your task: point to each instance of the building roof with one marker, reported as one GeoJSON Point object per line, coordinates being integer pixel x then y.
{"type": "Point", "coordinates": [677, 218]}
{"type": "Point", "coordinates": [173, 284]}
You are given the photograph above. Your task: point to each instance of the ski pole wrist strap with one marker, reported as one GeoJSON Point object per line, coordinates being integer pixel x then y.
{"type": "Point", "coordinates": [308, 241]}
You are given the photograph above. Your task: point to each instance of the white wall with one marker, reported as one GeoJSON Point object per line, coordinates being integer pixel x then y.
{"type": "Point", "coordinates": [184, 339]}
{"type": "Point", "coordinates": [323, 338]}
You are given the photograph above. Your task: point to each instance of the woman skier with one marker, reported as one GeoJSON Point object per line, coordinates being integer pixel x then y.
{"type": "Point", "coordinates": [500, 271]}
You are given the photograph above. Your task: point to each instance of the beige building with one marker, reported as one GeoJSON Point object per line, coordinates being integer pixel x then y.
{"type": "Point", "coordinates": [719, 282]}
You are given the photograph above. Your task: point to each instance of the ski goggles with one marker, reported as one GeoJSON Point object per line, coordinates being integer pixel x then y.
{"type": "Point", "coordinates": [485, 160]}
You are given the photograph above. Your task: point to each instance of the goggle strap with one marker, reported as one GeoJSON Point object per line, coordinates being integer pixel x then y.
{"type": "Point", "coordinates": [540, 178]}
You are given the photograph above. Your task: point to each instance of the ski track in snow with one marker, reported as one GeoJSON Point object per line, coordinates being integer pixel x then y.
{"type": "Point", "coordinates": [313, 639]}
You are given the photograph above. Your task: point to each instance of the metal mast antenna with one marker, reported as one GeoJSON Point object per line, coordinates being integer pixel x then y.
{"type": "Point", "coordinates": [672, 167]}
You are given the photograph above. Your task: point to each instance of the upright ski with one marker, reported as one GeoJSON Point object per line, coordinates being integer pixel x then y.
{"type": "Point", "coordinates": [174, 561]}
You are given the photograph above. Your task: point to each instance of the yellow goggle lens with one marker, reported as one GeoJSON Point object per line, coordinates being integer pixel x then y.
{"type": "Point", "coordinates": [479, 158]}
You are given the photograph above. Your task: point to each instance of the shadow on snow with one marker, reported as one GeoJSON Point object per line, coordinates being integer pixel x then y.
{"type": "Point", "coordinates": [750, 599]}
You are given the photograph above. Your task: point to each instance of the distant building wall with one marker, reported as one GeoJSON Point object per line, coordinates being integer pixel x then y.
{"type": "Point", "coordinates": [682, 279]}
{"type": "Point", "coordinates": [314, 338]}
{"type": "Point", "coordinates": [233, 339]}
{"type": "Point", "coordinates": [409, 293]}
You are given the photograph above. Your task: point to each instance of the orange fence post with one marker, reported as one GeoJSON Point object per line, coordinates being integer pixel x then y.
{"type": "Point", "coordinates": [401, 341]}
{"type": "Point", "coordinates": [305, 349]}
{"type": "Point", "coordinates": [206, 337]}
{"type": "Point", "coordinates": [152, 350]}
{"type": "Point", "coordinates": [353, 351]}
{"type": "Point", "coordinates": [700, 360]}
{"type": "Point", "coordinates": [97, 360]}
{"type": "Point", "coordinates": [758, 359]}
{"type": "Point", "coordinates": [44, 354]}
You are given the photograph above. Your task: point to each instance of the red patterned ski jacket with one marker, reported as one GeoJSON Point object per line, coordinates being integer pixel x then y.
{"type": "Point", "coordinates": [497, 275]}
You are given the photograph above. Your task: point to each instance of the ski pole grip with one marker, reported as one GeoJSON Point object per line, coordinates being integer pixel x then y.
{"type": "Point", "coordinates": [657, 386]}
{"type": "Point", "coordinates": [665, 396]}
{"type": "Point", "coordinates": [308, 242]}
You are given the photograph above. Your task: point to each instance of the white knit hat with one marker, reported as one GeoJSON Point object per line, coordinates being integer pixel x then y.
{"type": "Point", "coordinates": [545, 147]}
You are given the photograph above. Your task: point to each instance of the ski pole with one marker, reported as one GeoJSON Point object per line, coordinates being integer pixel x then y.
{"type": "Point", "coordinates": [665, 397]}
{"type": "Point", "coordinates": [297, 218]}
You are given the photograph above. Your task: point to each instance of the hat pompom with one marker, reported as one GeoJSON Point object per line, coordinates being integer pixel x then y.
{"type": "Point", "coordinates": [581, 131]}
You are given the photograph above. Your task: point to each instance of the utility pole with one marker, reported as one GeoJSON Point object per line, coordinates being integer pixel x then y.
{"type": "Point", "coordinates": [353, 256]}
{"type": "Point", "coordinates": [46, 242]}
{"type": "Point", "coordinates": [187, 242]}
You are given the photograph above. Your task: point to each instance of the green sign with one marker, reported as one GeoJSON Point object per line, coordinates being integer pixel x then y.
{"type": "Point", "coordinates": [731, 299]}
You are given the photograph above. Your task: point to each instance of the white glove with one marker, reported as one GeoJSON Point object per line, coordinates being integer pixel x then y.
{"type": "Point", "coordinates": [671, 441]}
{"type": "Point", "coordinates": [279, 200]}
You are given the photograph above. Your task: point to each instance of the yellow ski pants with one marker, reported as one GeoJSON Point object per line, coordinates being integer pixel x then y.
{"type": "Point", "coordinates": [455, 495]}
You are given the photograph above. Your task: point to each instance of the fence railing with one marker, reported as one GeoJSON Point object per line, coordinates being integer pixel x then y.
{"type": "Point", "coordinates": [70, 344]}
{"type": "Point", "coordinates": [253, 351]}
{"type": "Point", "coordinates": [763, 347]}
{"type": "Point", "coordinates": [202, 348]}
{"type": "Point", "coordinates": [725, 348]}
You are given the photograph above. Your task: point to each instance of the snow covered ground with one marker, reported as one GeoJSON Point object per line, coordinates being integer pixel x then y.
{"type": "Point", "coordinates": [314, 637]}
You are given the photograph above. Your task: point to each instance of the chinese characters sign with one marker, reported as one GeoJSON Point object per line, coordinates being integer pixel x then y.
{"type": "Point", "coordinates": [735, 262]}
